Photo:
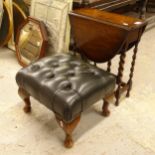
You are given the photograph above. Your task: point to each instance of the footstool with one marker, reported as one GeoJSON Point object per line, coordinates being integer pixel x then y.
{"type": "Point", "coordinates": [67, 86]}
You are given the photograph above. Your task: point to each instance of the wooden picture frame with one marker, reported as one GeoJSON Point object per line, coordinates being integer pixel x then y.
{"type": "Point", "coordinates": [31, 41]}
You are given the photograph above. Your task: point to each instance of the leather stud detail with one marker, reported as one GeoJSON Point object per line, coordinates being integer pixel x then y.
{"type": "Point", "coordinates": [55, 65]}
{"type": "Point", "coordinates": [66, 85]}
{"type": "Point", "coordinates": [50, 76]}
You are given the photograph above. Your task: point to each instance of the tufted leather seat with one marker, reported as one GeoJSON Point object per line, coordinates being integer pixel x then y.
{"type": "Point", "coordinates": [65, 84]}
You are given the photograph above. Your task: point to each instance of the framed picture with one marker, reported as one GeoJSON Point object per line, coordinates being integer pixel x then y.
{"type": "Point", "coordinates": [31, 41]}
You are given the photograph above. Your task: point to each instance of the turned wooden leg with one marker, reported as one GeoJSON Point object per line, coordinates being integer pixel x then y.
{"type": "Point", "coordinates": [132, 69]}
{"type": "Point", "coordinates": [133, 64]}
{"type": "Point", "coordinates": [119, 78]}
{"type": "Point", "coordinates": [68, 128]}
{"type": "Point", "coordinates": [105, 109]}
{"type": "Point", "coordinates": [26, 98]}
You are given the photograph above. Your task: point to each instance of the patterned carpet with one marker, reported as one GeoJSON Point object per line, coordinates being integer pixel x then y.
{"type": "Point", "coordinates": [130, 129]}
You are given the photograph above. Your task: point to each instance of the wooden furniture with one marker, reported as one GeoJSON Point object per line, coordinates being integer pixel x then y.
{"type": "Point", "coordinates": [150, 15]}
{"type": "Point", "coordinates": [144, 9]}
{"type": "Point", "coordinates": [67, 86]}
{"type": "Point", "coordinates": [100, 35]}
{"type": "Point", "coordinates": [119, 6]}
{"type": "Point", "coordinates": [31, 41]}
{"type": "Point", "coordinates": [103, 4]}
{"type": "Point", "coordinates": [151, 6]}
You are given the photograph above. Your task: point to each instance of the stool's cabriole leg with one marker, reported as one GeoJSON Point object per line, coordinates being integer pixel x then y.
{"type": "Point", "coordinates": [119, 78]}
{"type": "Point", "coordinates": [26, 98]}
{"type": "Point", "coordinates": [68, 128]}
{"type": "Point", "coordinates": [105, 108]}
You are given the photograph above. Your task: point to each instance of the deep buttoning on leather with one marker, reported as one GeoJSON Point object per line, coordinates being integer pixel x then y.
{"type": "Point", "coordinates": [65, 83]}
{"type": "Point", "coordinates": [71, 73]}
{"type": "Point", "coordinates": [50, 75]}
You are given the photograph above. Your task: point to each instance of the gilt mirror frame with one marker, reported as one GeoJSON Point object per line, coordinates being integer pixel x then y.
{"type": "Point", "coordinates": [19, 13]}
{"type": "Point", "coordinates": [24, 61]}
{"type": "Point", "coordinates": [6, 25]}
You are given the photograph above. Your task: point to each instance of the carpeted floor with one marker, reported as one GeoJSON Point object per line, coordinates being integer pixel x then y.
{"type": "Point", "coordinates": [130, 129]}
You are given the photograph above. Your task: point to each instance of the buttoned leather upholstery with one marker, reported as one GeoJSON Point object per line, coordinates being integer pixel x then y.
{"type": "Point", "coordinates": [65, 84]}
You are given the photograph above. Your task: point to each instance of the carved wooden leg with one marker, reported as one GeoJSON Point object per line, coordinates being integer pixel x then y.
{"type": "Point", "coordinates": [68, 128]}
{"type": "Point", "coordinates": [105, 109]}
{"type": "Point", "coordinates": [119, 78]}
{"type": "Point", "coordinates": [26, 97]}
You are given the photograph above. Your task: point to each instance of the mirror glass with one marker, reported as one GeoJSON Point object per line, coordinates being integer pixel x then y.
{"type": "Point", "coordinates": [30, 42]}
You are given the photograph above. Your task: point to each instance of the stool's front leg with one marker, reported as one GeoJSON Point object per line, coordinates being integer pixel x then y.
{"type": "Point", "coordinates": [68, 128]}
{"type": "Point", "coordinates": [26, 97]}
{"type": "Point", "coordinates": [105, 108]}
